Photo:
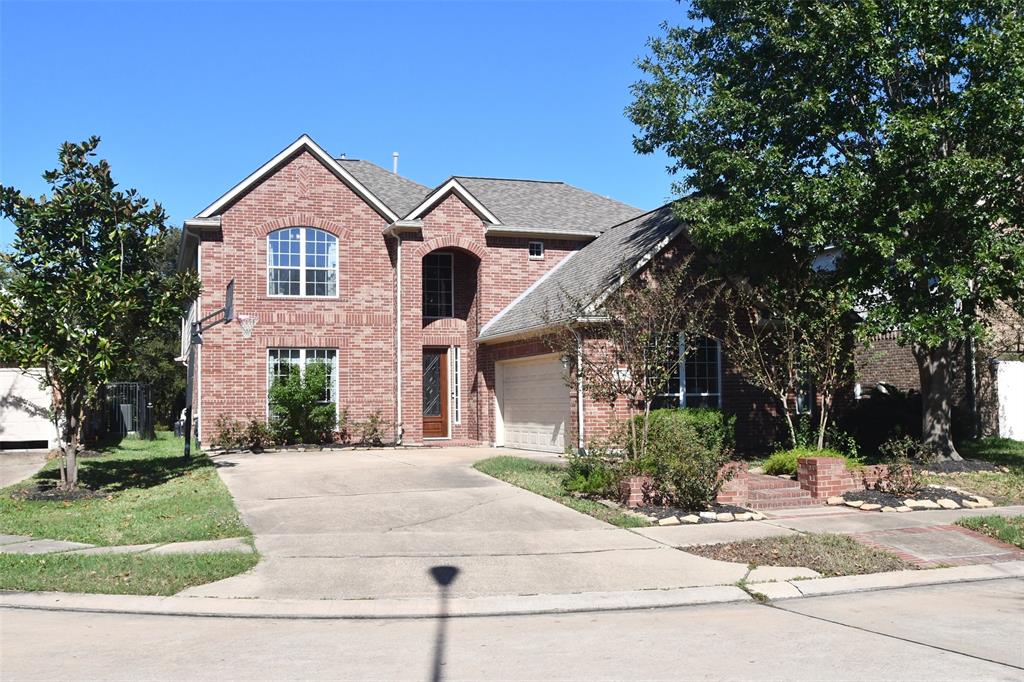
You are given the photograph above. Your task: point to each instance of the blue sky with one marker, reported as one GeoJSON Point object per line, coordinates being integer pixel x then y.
{"type": "Point", "coordinates": [191, 97]}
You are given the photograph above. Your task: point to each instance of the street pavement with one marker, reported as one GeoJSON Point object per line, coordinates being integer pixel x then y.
{"type": "Point", "coordinates": [970, 631]}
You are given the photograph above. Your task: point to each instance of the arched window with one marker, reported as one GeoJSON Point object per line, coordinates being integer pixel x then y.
{"type": "Point", "coordinates": [302, 261]}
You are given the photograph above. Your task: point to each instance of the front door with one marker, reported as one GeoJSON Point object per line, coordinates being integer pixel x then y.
{"type": "Point", "coordinates": [435, 393]}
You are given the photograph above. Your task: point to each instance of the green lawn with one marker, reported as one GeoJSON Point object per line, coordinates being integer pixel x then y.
{"type": "Point", "coordinates": [154, 495]}
{"type": "Point", "coordinates": [1008, 529]}
{"type": "Point", "coordinates": [158, 574]}
{"type": "Point", "coordinates": [999, 486]}
{"type": "Point", "coordinates": [546, 480]}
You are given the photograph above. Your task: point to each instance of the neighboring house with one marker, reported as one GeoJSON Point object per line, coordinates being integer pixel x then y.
{"type": "Point", "coordinates": [429, 304]}
{"type": "Point", "coordinates": [25, 404]}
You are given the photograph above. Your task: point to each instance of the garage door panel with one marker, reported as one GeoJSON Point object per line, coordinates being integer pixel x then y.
{"type": "Point", "coordinates": [535, 405]}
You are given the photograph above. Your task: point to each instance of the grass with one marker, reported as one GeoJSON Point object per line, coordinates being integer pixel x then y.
{"type": "Point", "coordinates": [153, 495]}
{"type": "Point", "coordinates": [1002, 487]}
{"type": "Point", "coordinates": [545, 479]}
{"type": "Point", "coordinates": [828, 554]}
{"type": "Point", "coordinates": [151, 574]}
{"type": "Point", "coordinates": [1008, 529]}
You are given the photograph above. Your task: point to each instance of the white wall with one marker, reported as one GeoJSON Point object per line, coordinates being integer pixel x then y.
{"type": "Point", "coordinates": [23, 407]}
{"type": "Point", "coordinates": [1010, 389]}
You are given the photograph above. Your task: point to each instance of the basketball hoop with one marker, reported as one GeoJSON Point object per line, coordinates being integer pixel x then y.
{"type": "Point", "coordinates": [247, 323]}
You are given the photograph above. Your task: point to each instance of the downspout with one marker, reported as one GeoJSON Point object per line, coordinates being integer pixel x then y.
{"type": "Point", "coordinates": [398, 340]}
{"type": "Point", "coordinates": [579, 393]}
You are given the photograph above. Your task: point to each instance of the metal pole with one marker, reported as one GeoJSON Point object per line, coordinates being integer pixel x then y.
{"type": "Point", "coordinates": [195, 339]}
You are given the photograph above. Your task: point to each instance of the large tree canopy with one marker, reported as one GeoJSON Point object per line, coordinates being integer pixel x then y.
{"type": "Point", "coordinates": [87, 284]}
{"type": "Point", "coordinates": [892, 129]}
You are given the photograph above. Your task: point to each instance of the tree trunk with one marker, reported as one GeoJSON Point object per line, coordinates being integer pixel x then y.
{"type": "Point", "coordinates": [789, 420]}
{"type": "Point", "coordinates": [73, 426]}
{"type": "Point", "coordinates": [822, 423]}
{"type": "Point", "coordinates": [934, 365]}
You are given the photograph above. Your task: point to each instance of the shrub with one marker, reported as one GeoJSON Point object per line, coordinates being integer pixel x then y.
{"type": "Point", "coordinates": [785, 461]}
{"type": "Point", "coordinates": [374, 430]}
{"type": "Point", "coordinates": [903, 478]}
{"type": "Point", "coordinates": [299, 414]}
{"type": "Point", "coordinates": [258, 435]}
{"type": "Point", "coordinates": [686, 451]}
{"type": "Point", "coordinates": [593, 473]}
{"type": "Point", "coordinates": [228, 433]}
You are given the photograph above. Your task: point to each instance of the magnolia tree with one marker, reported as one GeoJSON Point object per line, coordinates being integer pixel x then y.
{"type": "Point", "coordinates": [86, 285]}
{"type": "Point", "coordinates": [894, 130]}
{"type": "Point", "coordinates": [627, 348]}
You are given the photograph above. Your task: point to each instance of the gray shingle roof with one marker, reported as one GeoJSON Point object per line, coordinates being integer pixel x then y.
{"type": "Point", "coordinates": [400, 194]}
{"type": "Point", "coordinates": [584, 275]}
{"type": "Point", "coordinates": [547, 205]}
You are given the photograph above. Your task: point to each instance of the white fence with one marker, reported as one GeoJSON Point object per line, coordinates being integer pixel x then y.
{"type": "Point", "coordinates": [1010, 390]}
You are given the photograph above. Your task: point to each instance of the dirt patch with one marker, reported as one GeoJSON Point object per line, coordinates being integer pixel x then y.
{"type": "Point", "coordinates": [953, 467]}
{"type": "Point", "coordinates": [826, 553]}
{"type": "Point", "coordinates": [42, 492]}
{"type": "Point", "coordinates": [933, 493]}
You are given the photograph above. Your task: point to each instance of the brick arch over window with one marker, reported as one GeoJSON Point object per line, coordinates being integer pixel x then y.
{"type": "Point", "coordinates": [448, 243]}
{"type": "Point", "coordinates": [303, 220]}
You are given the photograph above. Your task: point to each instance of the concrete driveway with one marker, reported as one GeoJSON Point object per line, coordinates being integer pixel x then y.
{"type": "Point", "coordinates": [18, 465]}
{"type": "Point", "coordinates": [372, 523]}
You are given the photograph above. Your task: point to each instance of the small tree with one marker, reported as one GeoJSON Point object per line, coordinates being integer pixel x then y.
{"type": "Point", "coordinates": [790, 335]}
{"type": "Point", "coordinates": [298, 408]}
{"type": "Point", "coordinates": [86, 285]}
{"type": "Point", "coordinates": [629, 350]}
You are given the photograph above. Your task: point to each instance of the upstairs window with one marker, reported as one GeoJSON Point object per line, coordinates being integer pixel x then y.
{"type": "Point", "coordinates": [536, 250]}
{"type": "Point", "coordinates": [302, 261]}
{"type": "Point", "coordinates": [438, 285]}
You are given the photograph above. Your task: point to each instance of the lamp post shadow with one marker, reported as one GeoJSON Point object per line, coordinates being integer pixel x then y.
{"type": "Point", "coordinates": [444, 576]}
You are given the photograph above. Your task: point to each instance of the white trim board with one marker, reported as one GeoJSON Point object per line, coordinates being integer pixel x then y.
{"type": "Point", "coordinates": [304, 143]}
{"type": "Point", "coordinates": [453, 186]}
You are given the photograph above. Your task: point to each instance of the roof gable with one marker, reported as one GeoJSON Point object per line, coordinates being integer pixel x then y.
{"type": "Point", "coordinates": [303, 144]}
{"type": "Point", "coordinates": [452, 186]}
{"type": "Point", "coordinates": [592, 273]}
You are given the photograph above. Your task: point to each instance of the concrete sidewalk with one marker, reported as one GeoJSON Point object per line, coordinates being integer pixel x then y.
{"type": "Point", "coordinates": [823, 519]}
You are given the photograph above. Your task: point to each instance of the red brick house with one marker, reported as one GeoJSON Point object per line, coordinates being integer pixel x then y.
{"type": "Point", "coordinates": [428, 303]}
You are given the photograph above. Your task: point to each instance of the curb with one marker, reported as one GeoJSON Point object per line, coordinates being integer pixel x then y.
{"type": "Point", "coordinates": [820, 587]}
{"type": "Point", "coordinates": [373, 609]}
{"type": "Point", "coordinates": [513, 605]}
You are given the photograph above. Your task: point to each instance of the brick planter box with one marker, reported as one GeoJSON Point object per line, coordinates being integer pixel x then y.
{"type": "Point", "coordinates": [828, 476]}
{"type": "Point", "coordinates": [635, 491]}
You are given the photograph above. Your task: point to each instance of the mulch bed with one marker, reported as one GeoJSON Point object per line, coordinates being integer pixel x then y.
{"type": "Point", "coordinates": [47, 492]}
{"type": "Point", "coordinates": [953, 467]}
{"type": "Point", "coordinates": [889, 500]}
{"type": "Point", "coordinates": [665, 512]}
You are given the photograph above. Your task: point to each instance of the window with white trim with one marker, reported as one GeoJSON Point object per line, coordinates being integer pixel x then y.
{"type": "Point", "coordinates": [455, 381]}
{"type": "Point", "coordinates": [281, 362]}
{"type": "Point", "coordinates": [536, 250]}
{"type": "Point", "coordinates": [302, 261]}
{"type": "Point", "coordinates": [438, 285]}
{"type": "Point", "coordinates": [697, 376]}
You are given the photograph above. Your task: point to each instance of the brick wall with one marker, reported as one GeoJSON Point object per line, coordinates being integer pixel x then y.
{"type": "Point", "coordinates": [828, 476]}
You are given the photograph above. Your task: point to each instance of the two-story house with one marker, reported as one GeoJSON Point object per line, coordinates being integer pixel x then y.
{"type": "Point", "coordinates": [429, 304]}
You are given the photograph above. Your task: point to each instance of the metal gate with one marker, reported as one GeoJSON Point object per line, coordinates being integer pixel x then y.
{"type": "Point", "coordinates": [128, 409]}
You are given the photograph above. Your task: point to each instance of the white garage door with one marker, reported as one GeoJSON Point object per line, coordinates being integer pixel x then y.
{"type": "Point", "coordinates": [534, 404]}
{"type": "Point", "coordinates": [24, 406]}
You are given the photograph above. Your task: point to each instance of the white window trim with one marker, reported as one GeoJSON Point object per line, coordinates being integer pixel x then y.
{"type": "Point", "coordinates": [454, 383]}
{"type": "Point", "coordinates": [682, 395]}
{"type": "Point", "coordinates": [302, 368]}
{"type": "Point", "coordinates": [302, 264]}
{"type": "Point", "coordinates": [529, 246]}
{"type": "Point", "coordinates": [451, 287]}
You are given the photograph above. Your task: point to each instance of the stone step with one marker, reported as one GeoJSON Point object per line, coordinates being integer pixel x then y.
{"type": "Point", "coordinates": [778, 493]}
{"type": "Point", "coordinates": [773, 505]}
{"type": "Point", "coordinates": [770, 483]}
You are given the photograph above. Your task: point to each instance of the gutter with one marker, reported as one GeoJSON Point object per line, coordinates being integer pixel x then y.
{"type": "Point", "coordinates": [541, 233]}
{"type": "Point", "coordinates": [400, 227]}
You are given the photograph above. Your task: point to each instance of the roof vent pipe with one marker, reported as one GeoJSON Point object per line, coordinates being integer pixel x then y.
{"type": "Point", "coordinates": [394, 162]}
